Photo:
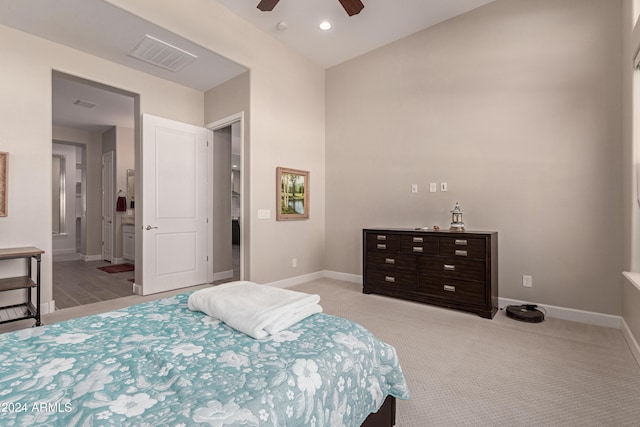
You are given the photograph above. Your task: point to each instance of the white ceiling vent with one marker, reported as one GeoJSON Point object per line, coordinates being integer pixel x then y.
{"type": "Point", "coordinates": [85, 104]}
{"type": "Point", "coordinates": [161, 54]}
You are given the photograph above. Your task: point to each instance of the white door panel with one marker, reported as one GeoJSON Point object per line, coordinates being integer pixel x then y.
{"type": "Point", "coordinates": [174, 209]}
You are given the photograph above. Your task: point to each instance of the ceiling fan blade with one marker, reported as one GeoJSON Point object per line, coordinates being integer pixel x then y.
{"type": "Point", "coordinates": [267, 5]}
{"type": "Point", "coordinates": [353, 7]}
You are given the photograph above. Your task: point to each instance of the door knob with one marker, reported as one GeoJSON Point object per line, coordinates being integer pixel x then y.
{"type": "Point", "coordinates": [148, 227]}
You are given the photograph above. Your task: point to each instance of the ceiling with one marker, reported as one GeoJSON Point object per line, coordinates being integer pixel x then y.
{"type": "Point", "coordinates": [379, 23]}
{"type": "Point", "coordinates": [101, 29]}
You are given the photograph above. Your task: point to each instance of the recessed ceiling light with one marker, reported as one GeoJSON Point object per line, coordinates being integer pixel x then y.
{"type": "Point", "coordinates": [325, 25]}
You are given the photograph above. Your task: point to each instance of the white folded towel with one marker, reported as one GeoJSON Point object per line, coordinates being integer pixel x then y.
{"type": "Point", "coordinates": [256, 310]}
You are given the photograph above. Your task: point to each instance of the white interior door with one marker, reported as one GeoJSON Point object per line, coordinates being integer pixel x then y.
{"type": "Point", "coordinates": [174, 204]}
{"type": "Point", "coordinates": [107, 206]}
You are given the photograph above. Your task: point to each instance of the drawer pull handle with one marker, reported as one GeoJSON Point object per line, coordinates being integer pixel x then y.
{"type": "Point", "coordinates": [449, 267]}
{"type": "Point", "coordinates": [461, 253]}
{"type": "Point", "coordinates": [381, 237]}
{"type": "Point", "coordinates": [381, 246]}
{"type": "Point", "coordinates": [418, 249]}
{"type": "Point", "coordinates": [449, 288]}
{"type": "Point", "coordinates": [390, 279]}
{"type": "Point", "coordinates": [390, 260]}
{"type": "Point", "coordinates": [461, 242]}
{"type": "Point", "coordinates": [418, 240]}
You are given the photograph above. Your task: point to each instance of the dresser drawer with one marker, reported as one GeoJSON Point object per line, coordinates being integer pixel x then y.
{"type": "Point", "coordinates": [462, 247]}
{"type": "Point", "coordinates": [383, 242]}
{"type": "Point", "coordinates": [453, 268]}
{"type": "Point", "coordinates": [391, 262]}
{"type": "Point", "coordinates": [391, 280]}
{"type": "Point", "coordinates": [453, 290]}
{"type": "Point", "coordinates": [419, 244]}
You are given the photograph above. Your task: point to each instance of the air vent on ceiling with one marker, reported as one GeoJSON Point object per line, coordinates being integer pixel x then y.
{"type": "Point", "coordinates": [85, 104]}
{"type": "Point", "coordinates": [161, 54]}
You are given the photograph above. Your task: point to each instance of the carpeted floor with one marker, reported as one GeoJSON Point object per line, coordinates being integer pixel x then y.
{"type": "Point", "coordinates": [463, 370]}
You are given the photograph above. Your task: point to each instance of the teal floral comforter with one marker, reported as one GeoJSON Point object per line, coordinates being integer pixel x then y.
{"type": "Point", "coordinates": [159, 364]}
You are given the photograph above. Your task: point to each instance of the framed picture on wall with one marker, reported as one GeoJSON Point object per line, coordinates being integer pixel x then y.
{"type": "Point", "coordinates": [293, 194]}
{"type": "Point", "coordinates": [4, 185]}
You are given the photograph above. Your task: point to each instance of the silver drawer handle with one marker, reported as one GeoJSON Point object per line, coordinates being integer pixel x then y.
{"type": "Point", "coordinates": [390, 279]}
{"type": "Point", "coordinates": [381, 237]}
{"type": "Point", "coordinates": [418, 240]}
{"type": "Point", "coordinates": [389, 260]}
{"type": "Point", "coordinates": [418, 249]}
{"type": "Point", "coordinates": [449, 267]}
{"type": "Point", "coordinates": [461, 242]}
{"type": "Point", "coordinates": [381, 246]}
{"type": "Point", "coordinates": [461, 253]}
{"type": "Point", "coordinates": [449, 288]}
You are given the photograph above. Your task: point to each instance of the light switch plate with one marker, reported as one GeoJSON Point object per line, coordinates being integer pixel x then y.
{"type": "Point", "coordinates": [264, 213]}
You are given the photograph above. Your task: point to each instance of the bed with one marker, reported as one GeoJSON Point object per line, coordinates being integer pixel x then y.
{"type": "Point", "coordinates": [158, 364]}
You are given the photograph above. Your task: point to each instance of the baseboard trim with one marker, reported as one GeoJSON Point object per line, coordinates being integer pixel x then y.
{"type": "Point", "coordinates": [47, 307]}
{"type": "Point", "coordinates": [222, 275]}
{"type": "Point", "coordinates": [589, 317]}
{"type": "Point", "coordinates": [88, 258]}
{"type": "Point", "coordinates": [345, 277]}
{"type": "Point", "coordinates": [631, 340]}
{"type": "Point", "coordinates": [292, 281]}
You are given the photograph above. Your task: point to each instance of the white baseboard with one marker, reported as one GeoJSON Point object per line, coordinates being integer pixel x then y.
{"type": "Point", "coordinates": [292, 281]}
{"type": "Point", "coordinates": [115, 261]}
{"type": "Point", "coordinates": [88, 258]}
{"type": "Point", "coordinates": [631, 340]}
{"type": "Point", "coordinates": [345, 277]}
{"type": "Point", "coordinates": [589, 317]}
{"type": "Point", "coordinates": [137, 289]}
{"type": "Point", "coordinates": [47, 307]}
{"type": "Point", "coordinates": [222, 275]}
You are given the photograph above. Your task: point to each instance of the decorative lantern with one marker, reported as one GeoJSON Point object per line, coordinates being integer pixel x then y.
{"type": "Point", "coordinates": [456, 219]}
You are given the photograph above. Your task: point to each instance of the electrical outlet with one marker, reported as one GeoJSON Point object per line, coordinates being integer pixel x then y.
{"type": "Point", "coordinates": [294, 262]}
{"type": "Point", "coordinates": [527, 281]}
{"type": "Point", "coordinates": [414, 188]}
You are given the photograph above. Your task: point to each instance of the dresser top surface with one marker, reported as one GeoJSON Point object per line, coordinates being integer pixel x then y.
{"type": "Point", "coordinates": [430, 231]}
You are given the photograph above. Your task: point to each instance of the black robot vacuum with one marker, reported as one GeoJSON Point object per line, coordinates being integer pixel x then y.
{"type": "Point", "coordinates": [525, 313]}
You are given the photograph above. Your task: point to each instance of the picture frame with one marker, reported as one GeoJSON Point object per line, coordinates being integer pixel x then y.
{"type": "Point", "coordinates": [4, 184]}
{"type": "Point", "coordinates": [293, 187]}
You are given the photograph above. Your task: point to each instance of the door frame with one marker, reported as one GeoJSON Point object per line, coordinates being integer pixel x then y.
{"type": "Point", "coordinates": [244, 191]}
{"type": "Point", "coordinates": [111, 196]}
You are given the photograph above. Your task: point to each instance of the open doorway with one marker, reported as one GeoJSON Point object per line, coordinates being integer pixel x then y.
{"type": "Point", "coordinates": [227, 210]}
{"type": "Point", "coordinates": [92, 122]}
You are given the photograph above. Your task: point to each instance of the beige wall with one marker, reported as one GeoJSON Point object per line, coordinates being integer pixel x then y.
{"type": "Point", "coordinates": [517, 106]}
{"type": "Point", "coordinates": [26, 132]}
{"type": "Point", "coordinates": [287, 128]}
{"type": "Point", "coordinates": [631, 208]}
{"type": "Point", "coordinates": [221, 102]}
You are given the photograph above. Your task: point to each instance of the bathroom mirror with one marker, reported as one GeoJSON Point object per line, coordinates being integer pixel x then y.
{"type": "Point", "coordinates": [59, 194]}
{"type": "Point", "coordinates": [131, 187]}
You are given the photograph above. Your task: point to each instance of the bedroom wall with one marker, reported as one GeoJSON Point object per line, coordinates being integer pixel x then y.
{"type": "Point", "coordinates": [517, 106]}
{"type": "Point", "coordinates": [26, 131]}
{"type": "Point", "coordinates": [631, 209]}
{"type": "Point", "coordinates": [287, 128]}
{"type": "Point", "coordinates": [233, 97]}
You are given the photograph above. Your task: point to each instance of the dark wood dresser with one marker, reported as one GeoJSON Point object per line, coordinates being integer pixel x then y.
{"type": "Point", "coordinates": [446, 268]}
